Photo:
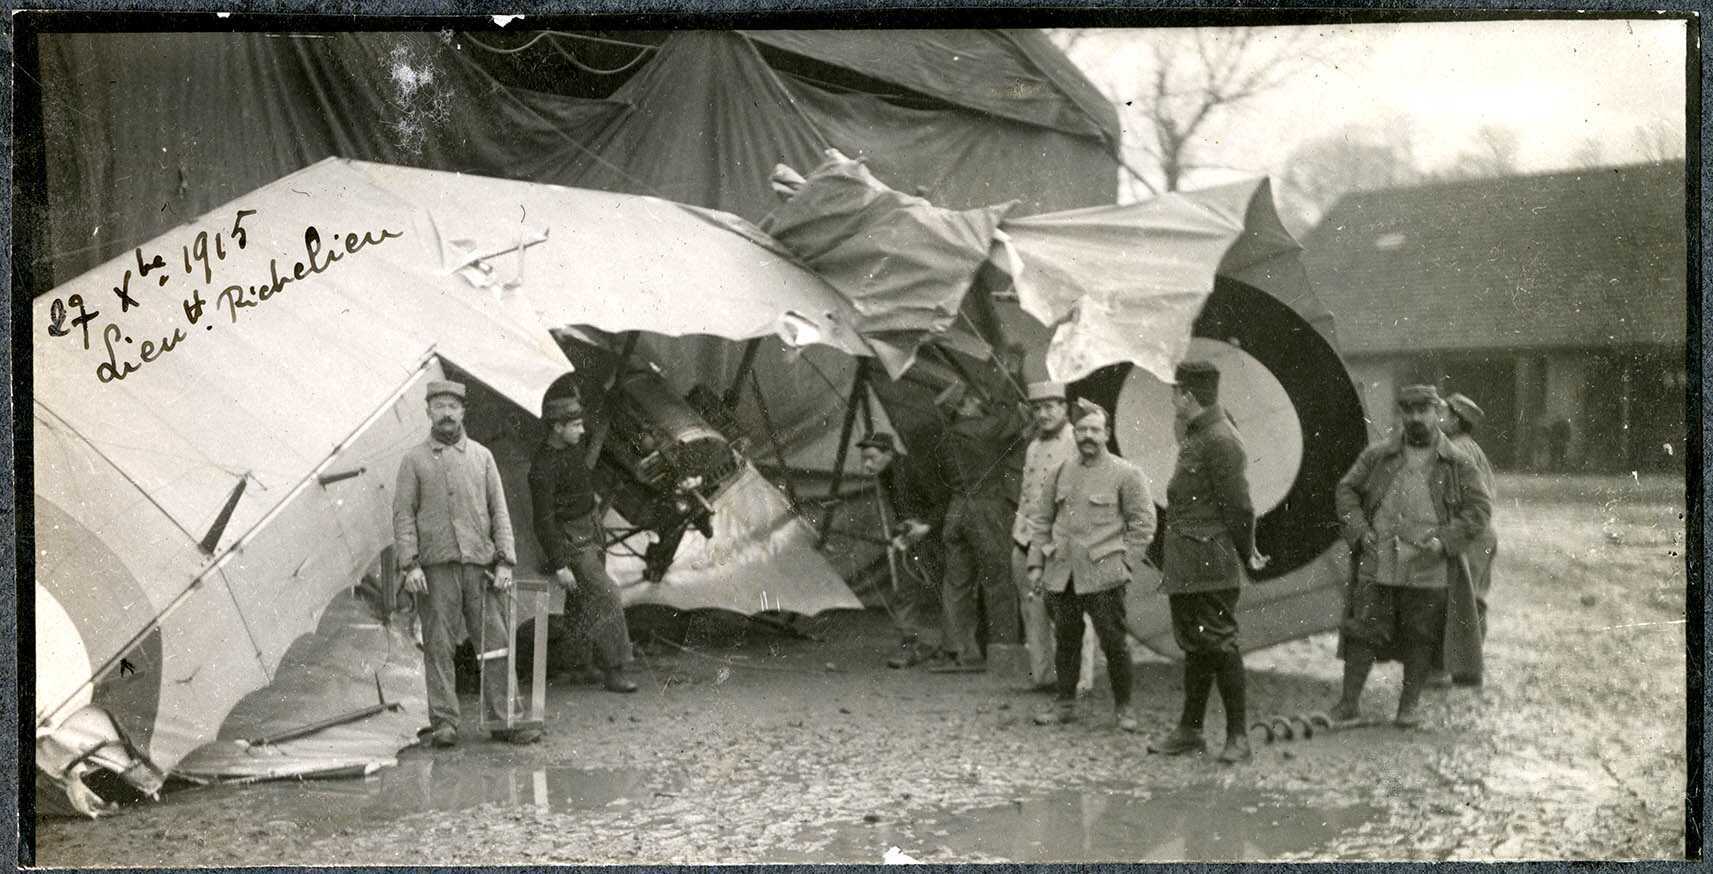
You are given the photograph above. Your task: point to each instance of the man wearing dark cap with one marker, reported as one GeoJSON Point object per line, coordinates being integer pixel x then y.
{"type": "Point", "coordinates": [1410, 507]}
{"type": "Point", "coordinates": [1210, 540]}
{"type": "Point", "coordinates": [453, 537]}
{"type": "Point", "coordinates": [974, 462]}
{"type": "Point", "coordinates": [1462, 657]}
{"type": "Point", "coordinates": [562, 496]}
{"type": "Point", "coordinates": [1088, 533]}
{"type": "Point", "coordinates": [911, 513]}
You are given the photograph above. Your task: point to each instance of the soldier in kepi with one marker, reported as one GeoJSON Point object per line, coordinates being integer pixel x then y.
{"type": "Point", "coordinates": [977, 592]}
{"type": "Point", "coordinates": [453, 537]}
{"type": "Point", "coordinates": [568, 526]}
{"type": "Point", "coordinates": [1209, 540]}
{"type": "Point", "coordinates": [1052, 446]}
{"type": "Point", "coordinates": [912, 513]}
{"type": "Point", "coordinates": [1461, 662]}
{"type": "Point", "coordinates": [1089, 531]}
{"type": "Point", "coordinates": [1409, 508]}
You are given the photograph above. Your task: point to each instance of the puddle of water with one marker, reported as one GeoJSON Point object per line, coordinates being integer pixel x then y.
{"type": "Point", "coordinates": [429, 784]}
{"type": "Point", "coordinates": [1106, 825]}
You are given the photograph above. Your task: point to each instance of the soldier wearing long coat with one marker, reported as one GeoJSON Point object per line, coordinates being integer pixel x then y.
{"type": "Point", "coordinates": [1410, 508]}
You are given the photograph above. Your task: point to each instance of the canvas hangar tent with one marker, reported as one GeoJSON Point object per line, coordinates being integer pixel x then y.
{"type": "Point", "coordinates": [698, 118]}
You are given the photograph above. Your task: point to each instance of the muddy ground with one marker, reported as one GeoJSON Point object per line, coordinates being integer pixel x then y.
{"type": "Point", "coordinates": [762, 747]}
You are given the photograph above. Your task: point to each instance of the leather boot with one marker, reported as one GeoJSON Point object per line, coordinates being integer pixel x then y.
{"type": "Point", "coordinates": [1236, 749]}
{"type": "Point", "coordinates": [1417, 666]}
{"type": "Point", "coordinates": [1182, 741]}
{"type": "Point", "coordinates": [616, 681]}
{"type": "Point", "coordinates": [1358, 660]}
{"type": "Point", "coordinates": [1233, 697]}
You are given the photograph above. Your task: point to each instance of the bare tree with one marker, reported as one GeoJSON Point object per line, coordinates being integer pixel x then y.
{"type": "Point", "coordinates": [1353, 158]}
{"type": "Point", "coordinates": [1493, 153]}
{"type": "Point", "coordinates": [1588, 154]}
{"type": "Point", "coordinates": [1496, 150]}
{"type": "Point", "coordinates": [1191, 83]}
{"type": "Point", "coordinates": [1659, 140]}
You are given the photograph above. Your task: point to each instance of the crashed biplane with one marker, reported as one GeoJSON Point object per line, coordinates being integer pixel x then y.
{"type": "Point", "coordinates": [196, 516]}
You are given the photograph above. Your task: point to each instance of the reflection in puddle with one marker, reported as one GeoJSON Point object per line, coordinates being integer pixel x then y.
{"type": "Point", "coordinates": [1108, 825]}
{"type": "Point", "coordinates": [427, 784]}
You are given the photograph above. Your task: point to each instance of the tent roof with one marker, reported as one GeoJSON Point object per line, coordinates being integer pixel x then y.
{"type": "Point", "coordinates": [1015, 74]}
{"type": "Point", "coordinates": [1577, 258]}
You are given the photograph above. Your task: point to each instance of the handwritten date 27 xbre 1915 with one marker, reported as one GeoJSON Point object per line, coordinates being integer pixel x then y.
{"type": "Point", "coordinates": [318, 258]}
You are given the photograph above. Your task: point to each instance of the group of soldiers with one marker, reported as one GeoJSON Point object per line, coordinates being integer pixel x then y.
{"type": "Point", "coordinates": [1039, 557]}
{"type": "Point", "coordinates": [1415, 510]}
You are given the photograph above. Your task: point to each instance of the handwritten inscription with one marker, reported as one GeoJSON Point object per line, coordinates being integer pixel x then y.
{"type": "Point", "coordinates": [123, 354]}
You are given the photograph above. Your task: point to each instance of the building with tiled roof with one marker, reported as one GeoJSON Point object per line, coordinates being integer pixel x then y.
{"type": "Point", "coordinates": [1559, 302]}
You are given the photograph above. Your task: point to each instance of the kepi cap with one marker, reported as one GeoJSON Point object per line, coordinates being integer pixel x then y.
{"type": "Point", "coordinates": [1197, 374]}
{"type": "Point", "coordinates": [1086, 408]}
{"type": "Point", "coordinates": [1467, 409]}
{"type": "Point", "coordinates": [561, 409]}
{"type": "Point", "coordinates": [1046, 391]}
{"type": "Point", "coordinates": [879, 440]}
{"type": "Point", "coordinates": [445, 387]}
{"type": "Point", "coordinates": [1411, 395]}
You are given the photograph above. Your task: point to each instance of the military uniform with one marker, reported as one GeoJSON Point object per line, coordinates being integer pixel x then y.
{"type": "Point", "coordinates": [1409, 513]}
{"type": "Point", "coordinates": [569, 530]}
{"type": "Point", "coordinates": [1089, 532]}
{"type": "Point", "coordinates": [1210, 535]}
{"type": "Point", "coordinates": [1041, 462]}
{"type": "Point", "coordinates": [908, 495]}
{"type": "Point", "coordinates": [450, 520]}
{"type": "Point", "coordinates": [975, 457]}
{"type": "Point", "coordinates": [1466, 620]}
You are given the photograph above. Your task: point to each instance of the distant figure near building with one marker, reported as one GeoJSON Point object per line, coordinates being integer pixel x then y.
{"type": "Point", "coordinates": [913, 513]}
{"type": "Point", "coordinates": [1210, 540]}
{"type": "Point", "coordinates": [1089, 531]}
{"type": "Point", "coordinates": [1409, 507]}
{"type": "Point", "coordinates": [453, 536]}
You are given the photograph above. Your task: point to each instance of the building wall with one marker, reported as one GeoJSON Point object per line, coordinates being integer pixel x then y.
{"type": "Point", "coordinates": [1377, 387]}
{"type": "Point", "coordinates": [1563, 400]}
{"type": "Point", "coordinates": [1600, 410]}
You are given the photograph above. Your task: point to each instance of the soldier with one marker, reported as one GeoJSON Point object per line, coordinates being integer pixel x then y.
{"type": "Point", "coordinates": [563, 497]}
{"type": "Point", "coordinates": [1210, 537]}
{"type": "Point", "coordinates": [913, 514]}
{"type": "Point", "coordinates": [453, 536]}
{"type": "Point", "coordinates": [1462, 661]}
{"type": "Point", "coordinates": [1052, 446]}
{"type": "Point", "coordinates": [977, 586]}
{"type": "Point", "coordinates": [1409, 507]}
{"type": "Point", "coordinates": [1089, 531]}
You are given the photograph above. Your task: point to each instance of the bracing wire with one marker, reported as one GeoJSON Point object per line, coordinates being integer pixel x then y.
{"type": "Point", "coordinates": [594, 70]}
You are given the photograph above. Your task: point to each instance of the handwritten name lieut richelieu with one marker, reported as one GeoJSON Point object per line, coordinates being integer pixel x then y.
{"type": "Point", "coordinates": [202, 255]}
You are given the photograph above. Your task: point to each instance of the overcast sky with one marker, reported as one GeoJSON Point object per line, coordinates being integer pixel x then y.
{"type": "Point", "coordinates": [1554, 82]}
